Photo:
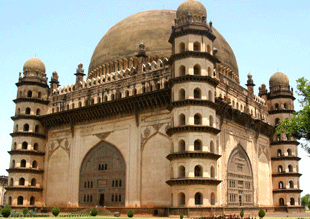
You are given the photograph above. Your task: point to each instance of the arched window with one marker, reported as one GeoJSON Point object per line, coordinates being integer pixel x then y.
{"type": "Point", "coordinates": [26, 128]}
{"type": "Point", "coordinates": [165, 84]}
{"type": "Point", "coordinates": [34, 164]}
{"type": "Point", "coordinates": [72, 106]}
{"type": "Point", "coordinates": [11, 182]}
{"type": "Point", "coordinates": [10, 200]}
{"type": "Point", "coordinates": [181, 146]}
{"type": "Point", "coordinates": [126, 93]}
{"type": "Point", "coordinates": [181, 171]}
{"type": "Point", "coordinates": [20, 200]}
{"type": "Point", "coordinates": [276, 122]}
{"type": "Point", "coordinates": [80, 104]}
{"type": "Point", "coordinates": [197, 93]}
{"type": "Point", "coordinates": [92, 101]}
{"type": "Point", "coordinates": [289, 152]}
{"type": "Point", "coordinates": [208, 48]}
{"type": "Point", "coordinates": [292, 201]}
{"type": "Point", "coordinates": [158, 86]}
{"type": "Point", "coordinates": [33, 182]}
{"type": "Point", "coordinates": [118, 95]}
{"type": "Point", "coordinates": [211, 121]}
{"type": "Point", "coordinates": [13, 163]}
{"type": "Point", "coordinates": [28, 111]}
{"type": "Point", "coordinates": [21, 181]}
{"type": "Point", "coordinates": [18, 111]}
{"type": "Point", "coordinates": [291, 184]}
{"type": "Point", "coordinates": [181, 199]}
{"type": "Point", "coordinates": [32, 200]}
{"type": "Point", "coordinates": [212, 172]}
{"type": "Point", "coordinates": [198, 171]}
{"type": "Point", "coordinates": [23, 163]}
{"type": "Point", "coordinates": [182, 47]}
{"type": "Point", "coordinates": [197, 145]}
{"type": "Point", "coordinates": [280, 185]}
{"type": "Point", "coordinates": [181, 94]}
{"type": "Point", "coordinates": [212, 150]}
{"type": "Point", "coordinates": [212, 198]}
{"type": "Point", "coordinates": [197, 47]}
{"type": "Point", "coordinates": [24, 145]}
{"type": "Point", "coordinates": [197, 70]}
{"type": "Point", "coordinates": [281, 202]}
{"type": "Point", "coordinates": [16, 128]}
{"type": "Point", "coordinates": [197, 119]}
{"type": "Point", "coordinates": [36, 129]}
{"type": "Point", "coordinates": [280, 169]}
{"type": "Point", "coordinates": [279, 153]}
{"type": "Point", "coordinates": [38, 111]}
{"type": "Point", "coordinates": [105, 98]}
{"type": "Point", "coordinates": [143, 89]}
{"type": "Point", "coordinates": [209, 72]}
{"type": "Point", "coordinates": [182, 70]}
{"type": "Point", "coordinates": [276, 106]}
{"type": "Point", "coordinates": [285, 106]}
{"type": "Point", "coordinates": [134, 91]}
{"type": "Point", "coordinates": [39, 95]}
{"type": "Point", "coordinates": [290, 168]}
{"type": "Point", "coordinates": [29, 94]}
{"type": "Point", "coordinates": [210, 95]}
{"type": "Point", "coordinates": [35, 146]}
{"type": "Point", "coordinates": [198, 198]}
{"type": "Point", "coordinates": [14, 146]}
{"type": "Point", "coordinates": [181, 119]}
{"type": "Point", "coordinates": [98, 100]}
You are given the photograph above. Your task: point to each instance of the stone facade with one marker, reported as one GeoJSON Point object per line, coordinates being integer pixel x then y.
{"type": "Point", "coordinates": [164, 130]}
{"type": "Point", "coordinates": [3, 184]}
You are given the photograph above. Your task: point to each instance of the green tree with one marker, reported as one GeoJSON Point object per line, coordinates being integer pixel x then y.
{"type": "Point", "coordinates": [299, 125]}
{"type": "Point", "coordinates": [261, 213]}
{"type": "Point", "coordinates": [130, 213]}
{"type": "Point", "coordinates": [305, 200]}
{"type": "Point", "coordinates": [242, 214]}
{"type": "Point", "coordinates": [55, 211]}
{"type": "Point", "coordinates": [94, 211]}
{"type": "Point", "coordinates": [6, 211]}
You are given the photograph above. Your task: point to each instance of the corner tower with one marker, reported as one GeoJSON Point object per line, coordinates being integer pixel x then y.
{"type": "Point", "coordinates": [194, 179]}
{"type": "Point", "coordinates": [28, 137]}
{"type": "Point", "coordinates": [284, 151]}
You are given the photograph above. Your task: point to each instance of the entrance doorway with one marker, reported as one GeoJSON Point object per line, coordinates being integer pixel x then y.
{"type": "Point", "coordinates": [101, 200]}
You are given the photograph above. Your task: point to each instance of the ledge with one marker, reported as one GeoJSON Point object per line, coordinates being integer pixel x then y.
{"type": "Point", "coordinates": [286, 158]}
{"type": "Point", "coordinates": [193, 154]}
{"type": "Point", "coordinates": [34, 117]}
{"type": "Point", "coordinates": [28, 152]}
{"type": "Point", "coordinates": [194, 78]}
{"type": "Point", "coordinates": [193, 181]}
{"type": "Point", "coordinates": [286, 174]}
{"type": "Point", "coordinates": [23, 188]}
{"type": "Point", "coordinates": [31, 83]}
{"type": "Point", "coordinates": [281, 96]}
{"type": "Point", "coordinates": [195, 54]}
{"type": "Point", "coordinates": [184, 31]}
{"type": "Point", "coordinates": [33, 100]}
{"type": "Point", "coordinates": [192, 102]}
{"type": "Point", "coordinates": [287, 191]}
{"type": "Point", "coordinates": [281, 111]}
{"type": "Point", "coordinates": [27, 134]}
{"type": "Point", "coordinates": [284, 142]}
{"type": "Point", "coordinates": [24, 170]}
{"type": "Point", "coordinates": [192, 128]}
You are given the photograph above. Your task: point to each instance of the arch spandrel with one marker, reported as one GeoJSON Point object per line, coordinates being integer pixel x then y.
{"type": "Point", "coordinates": [103, 177]}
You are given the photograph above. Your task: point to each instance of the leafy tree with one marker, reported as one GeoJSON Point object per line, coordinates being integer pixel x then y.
{"type": "Point", "coordinates": [261, 213]}
{"type": "Point", "coordinates": [130, 213]}
{"type": "Point", "coordinates": [55, 211]}
{"type": "Point", "coordinates": [242, 214]}
{"type": "Point", "coordinates": [305, 200]}
{"type": "Point", "coordinates": [6, 211]}
{"type": "Point", "coordinates": [94, 211]}
{"type": "Point", "coordinates": [299, 125]}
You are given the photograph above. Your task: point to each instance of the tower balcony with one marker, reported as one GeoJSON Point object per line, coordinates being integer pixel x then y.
{"type": "Point", "coordinates": [193, 181]}
{"type": "Point", "coordinates": [287, 190]}
{"type": "Point", "coordinates": [193, 154]}
{"type": "Point", "coordinates": [26, 152]}
{"type": "Point", "coordinates": [24, 170]}
{"type": "Point", "coordinates": [23, 188]}
{"type": "Point", "coordinates": [285, 158]}
{"type": "Point", "coordinates": [192, 128]}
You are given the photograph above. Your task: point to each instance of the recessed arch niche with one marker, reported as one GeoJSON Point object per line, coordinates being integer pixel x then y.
{"type": "Point", "coordinates": [104, 169]}
{"type": "Point", "coordinates": [239, 178]}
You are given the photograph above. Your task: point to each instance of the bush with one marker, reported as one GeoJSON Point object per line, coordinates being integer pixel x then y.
{"type": "Point", "coordinates": [25, 211]}
{"type": "Point", "coordinates": [130, 213]}
{"type": "Point", "coordinates": [32, 212]}
{"type": "Point", "coordinates": [94, 211]}
{"type": "Point", "coordinates": [241, 214]}
{"type": "Point", "coordinates": [55, 211]}
{"type": "Point", "coordinates": [6, 211]}
{"type": "Point", "coordinates": [181, 216]}
{"type": "Point", "coordinates": [261, 213]}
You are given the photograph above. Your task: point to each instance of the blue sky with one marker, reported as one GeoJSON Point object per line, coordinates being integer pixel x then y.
{"type": "Point", "coordinates": [266, 36]}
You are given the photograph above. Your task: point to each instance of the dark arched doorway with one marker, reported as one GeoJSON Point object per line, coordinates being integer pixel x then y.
{"type": "Point", "coordinates": [103, 177]}
{"type": "Point", "coordinates": [239, 178]}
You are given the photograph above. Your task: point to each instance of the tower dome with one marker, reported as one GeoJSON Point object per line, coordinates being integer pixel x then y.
{"type": "Point", "coordinates": [191, 7]}
{"type": "Point", "coordinates": [279, 79]}
{"type": "Point", "coordinates": [33, 65]}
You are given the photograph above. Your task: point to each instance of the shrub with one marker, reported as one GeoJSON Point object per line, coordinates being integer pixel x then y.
{"type": "Point", "coordinates": [32, 212]}
{"type": "Point", "coordinates": [25, 211]}
{"type": "Point", "coordinates": [6, 211]}
{"type": "Point", "coordinates": [55, 211]}
{"type": "Point", "coordinates": [181, 216]}
{"type": "Point", "coordinates": [130, 213]}
{"type": "Point", "coordinates": [261, 213]}
{"type": "Point", "coordinates": [94, 211]}
{"type": "Point", "coordinates": [241, 214]}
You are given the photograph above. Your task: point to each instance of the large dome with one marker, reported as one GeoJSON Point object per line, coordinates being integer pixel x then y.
{"type": "Point", "coordinates": [34, 64]}
{"type": "Point", "coordinates": [153, 28]}
{"type": "Point", "coordinates": [279, 79]}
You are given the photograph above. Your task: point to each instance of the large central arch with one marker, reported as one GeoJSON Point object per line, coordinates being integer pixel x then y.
{"type": "Point", "coordinates": [103, 177]}
{"type": "Point", "coordinates": [239, 179]}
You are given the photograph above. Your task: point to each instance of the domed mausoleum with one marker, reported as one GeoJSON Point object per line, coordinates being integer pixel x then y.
{"type": "Point", "coordinates": [159, 124]}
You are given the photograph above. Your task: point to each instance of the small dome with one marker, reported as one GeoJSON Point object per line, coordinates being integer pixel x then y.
{"type": "Point", "coordinates": [192, 7]}
{"type": "Point", "coordinates": [279, 79]}
{"type": "Point", "coordinates": [34, 64]}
